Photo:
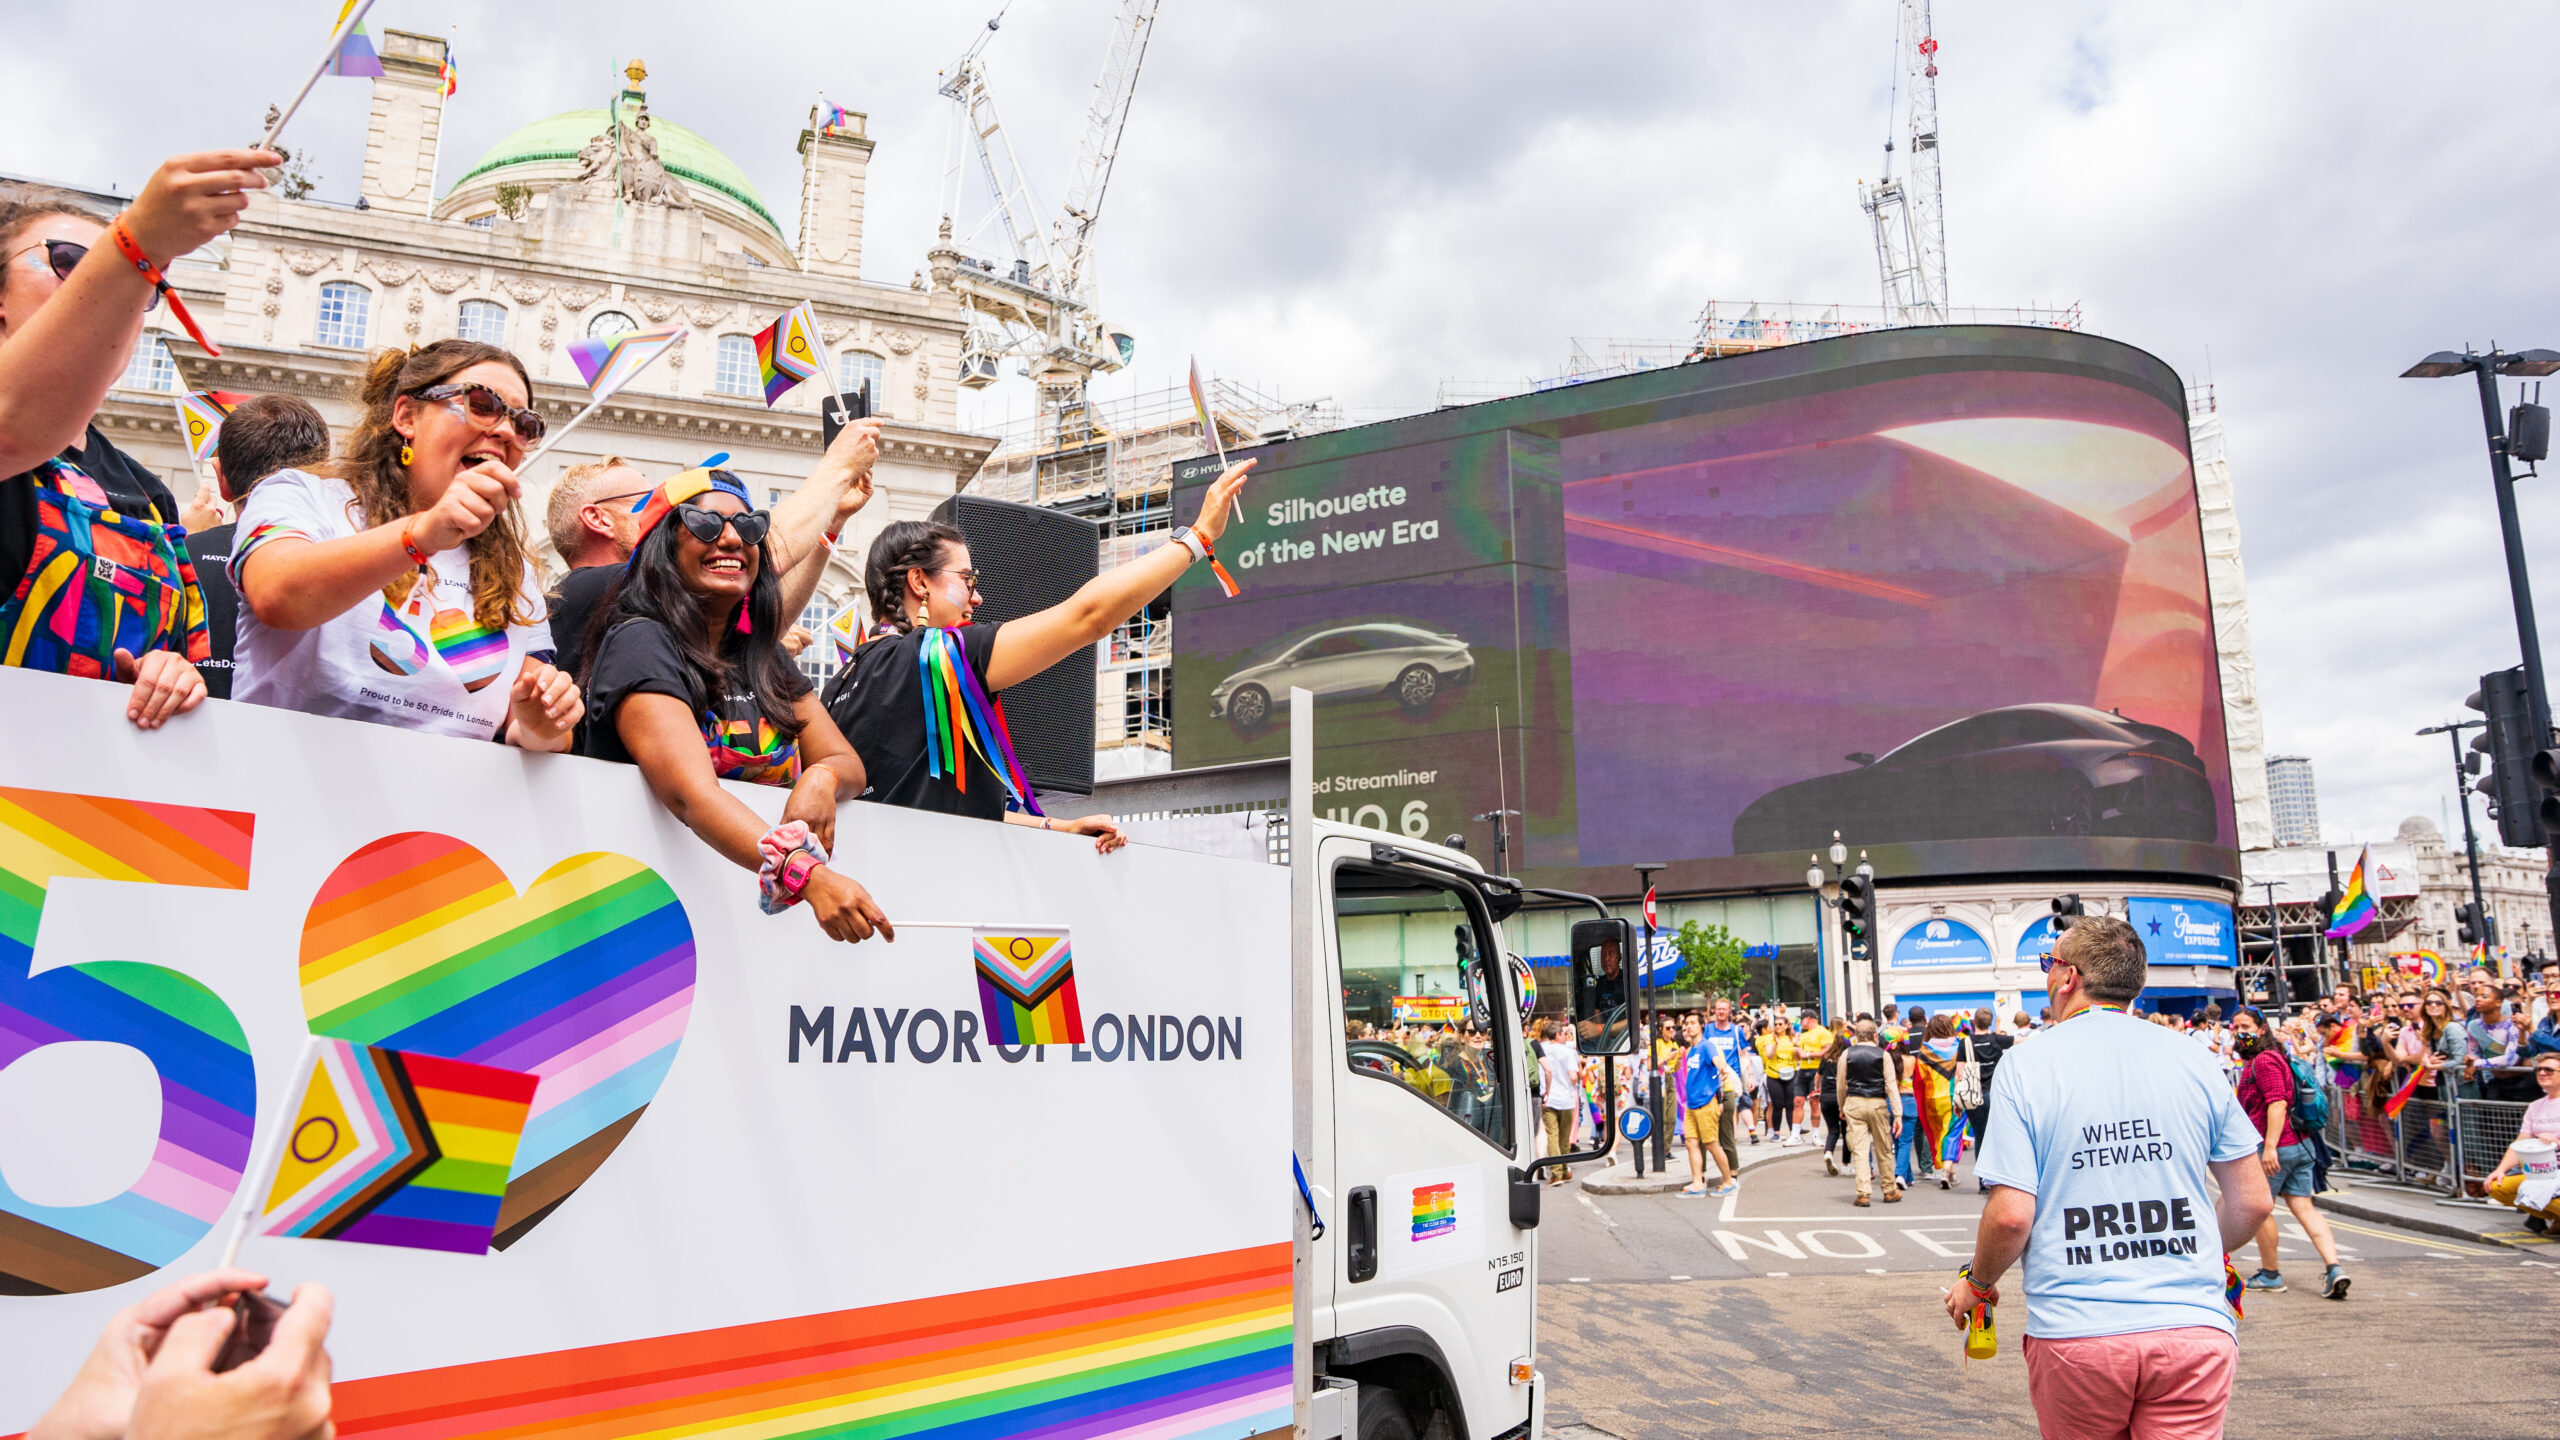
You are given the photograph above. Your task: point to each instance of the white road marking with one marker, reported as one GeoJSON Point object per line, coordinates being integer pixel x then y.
{"type": "Point", "coordinates": [1943, 1252]}
{"type": "Point", "coordinates": [1867, 1249]}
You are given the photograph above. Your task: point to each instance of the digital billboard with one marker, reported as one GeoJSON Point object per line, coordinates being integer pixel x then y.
{"type": "Point", "coordinates": [1940, 590]}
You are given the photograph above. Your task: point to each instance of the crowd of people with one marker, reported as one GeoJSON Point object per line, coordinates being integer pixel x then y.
{"type": "Point", "coordinates": [390, 579]}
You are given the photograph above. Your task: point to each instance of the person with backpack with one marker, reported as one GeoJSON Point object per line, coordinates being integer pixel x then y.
{"type": "Point", "coordinates": [2270, 1094]}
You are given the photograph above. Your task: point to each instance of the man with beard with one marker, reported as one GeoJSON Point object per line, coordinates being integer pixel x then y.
{"type": "Point", "coordinates": [2266, 1094]}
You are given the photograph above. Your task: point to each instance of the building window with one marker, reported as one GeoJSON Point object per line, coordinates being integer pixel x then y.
{"type": "Point", "coordinates": [818, 662]}
{"type": "Point", "coordinates": [734, 372]}
{"type": "Point", "coordinates": [343, 307]}
{"type": "Point", "coordinates": [483, 222]}
{"type": "Point", "coordinates": [609, 323]}
{"type": "Point", "coordinates": [152, 367]}
{"type": "Point", "coordinates": [484, 321]}
{"type": "Point", "coordinates": [860, 367]}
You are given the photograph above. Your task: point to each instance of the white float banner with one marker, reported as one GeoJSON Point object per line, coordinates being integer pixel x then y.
{"type": "Point", "coordinates": [716, 1171]}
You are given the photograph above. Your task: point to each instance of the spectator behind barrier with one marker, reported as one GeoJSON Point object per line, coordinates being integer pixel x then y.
{"type": "Point", "coordinates": [262, 435]}
{"type": "Point", "coordinates": [921, 583]}
{"type": "Point", "coordinates": [692, 685]}
{"type": "Point", "coordinates": [592, 518]}
{"type": "Point", "coordinates": [2541, 1122]}
{"type": "Point", "coordinates": [395, 586]}
{"type": "Point", "coordinates": [71, 307]}
{"type": "Point", "coordinates": [151, 1375]}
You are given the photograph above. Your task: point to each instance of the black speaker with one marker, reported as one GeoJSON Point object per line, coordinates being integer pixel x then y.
{"type": "Point", "coordinates": [1027, 560]}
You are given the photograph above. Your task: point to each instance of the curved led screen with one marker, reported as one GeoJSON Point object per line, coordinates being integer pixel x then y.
{"type": "Point", "coordinates": [1940, 590]}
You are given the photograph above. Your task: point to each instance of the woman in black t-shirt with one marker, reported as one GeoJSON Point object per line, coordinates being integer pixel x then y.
{"type": "Point", "coordinates": [923, 705]}
{"type": "Point", "coordinates": [95, 579]}
{"type": "Point", "coordinates": [685, 676]}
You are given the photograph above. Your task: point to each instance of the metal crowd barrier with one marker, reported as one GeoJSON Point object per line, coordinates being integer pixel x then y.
{"type": "Point", "coordinates": [2487, 1128]}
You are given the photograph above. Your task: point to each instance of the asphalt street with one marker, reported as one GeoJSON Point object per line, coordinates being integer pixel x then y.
{"type": "Point", "coordinates": [1786, 1310]}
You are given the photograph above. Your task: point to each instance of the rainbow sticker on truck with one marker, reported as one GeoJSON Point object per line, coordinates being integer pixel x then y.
{"type": "Point", "coordinates": [1435, 1210]}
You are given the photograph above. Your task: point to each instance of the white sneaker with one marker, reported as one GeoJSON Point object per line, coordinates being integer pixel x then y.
{"type": "Point", "coordinates": [1787, 1139]}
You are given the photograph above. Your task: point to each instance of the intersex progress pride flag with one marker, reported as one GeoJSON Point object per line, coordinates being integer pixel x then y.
{"type": "Point", "coordinates": [1027, 986]}
{"type": "Point", "coordinates": [398, 1148]}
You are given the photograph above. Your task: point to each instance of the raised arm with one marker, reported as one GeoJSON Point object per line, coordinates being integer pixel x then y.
{"type": "Point", "coordinates": [1027, 646]}
{"type": "Point", "coordinates": [832, 495]}
{"type": "Point", "coordinates": [294, 584]}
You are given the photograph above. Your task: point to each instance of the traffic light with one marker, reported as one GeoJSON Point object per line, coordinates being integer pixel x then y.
{"type": "Point", "coordinates": [2519, 760]}
{"type": "Point", "coordinates": [1857, 904]}
{"type": "Point", "coordinates": [2066, 908]}
{"type": "Point", "coordinates": [2466, 923]}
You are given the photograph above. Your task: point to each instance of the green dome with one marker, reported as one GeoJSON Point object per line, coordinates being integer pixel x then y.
{"type": "Point", "coordinates": [687, 156]}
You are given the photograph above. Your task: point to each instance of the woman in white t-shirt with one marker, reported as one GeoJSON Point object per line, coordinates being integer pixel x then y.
{"type": "Point", "coordinates": [395, 586]}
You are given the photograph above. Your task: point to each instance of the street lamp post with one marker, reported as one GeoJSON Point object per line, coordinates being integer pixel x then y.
{"type": "Point", "coordinates": [2486, 368]}
{"type": "Point", "coordinates": [1652, 1067]}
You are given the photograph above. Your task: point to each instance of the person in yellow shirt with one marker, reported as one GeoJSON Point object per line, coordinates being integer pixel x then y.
{"type": "Point", "coordinates": [1777, 1045]}
{"type": "Point", "coordinates": [1813, 1042]}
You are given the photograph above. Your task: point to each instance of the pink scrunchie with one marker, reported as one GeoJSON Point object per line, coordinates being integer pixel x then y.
{"type": "Point", "coordinates": [778, 846]}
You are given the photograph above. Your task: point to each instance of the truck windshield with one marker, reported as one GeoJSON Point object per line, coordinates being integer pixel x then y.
{"type": "Point", "coordinates": [1422, 996]}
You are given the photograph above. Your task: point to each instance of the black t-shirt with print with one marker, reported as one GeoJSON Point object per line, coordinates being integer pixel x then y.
{"type": "Point", "coordinates": [878, 702]}
{"type": "Point", "coordinates": [131, 489]}
{"type": "Point", "coordinates": [639, 657]}
{"type": "Point", "coordinates": [211, 552]}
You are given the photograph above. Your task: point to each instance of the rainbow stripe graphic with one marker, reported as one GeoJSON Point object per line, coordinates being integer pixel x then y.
{"type": "Point", "coordinates": [418, 943]}
{"type": "Point", "coordinates": [2355, 909]}
{"type": "Point", "coordinates": [394, 1149]}
{"type": "Point", "coordinates": [1435, 1209]}
{"type": "Point", "coordinates": [750, 750]}
{"type": "Point", "coordinates": [787, 351]}
{"type": "Point", "coordinates": [208, 1087]}
{"type": "Point", "coordinates": [1027, 987]}
{"type": "Point", "coordinates": [474, 653]}
{"type": "Point", "coordinates": [1194, 1349]}
{"type": "Point", "coordinates": [397, 648]}
{"type": "Point", "coordinates": [614, 361]}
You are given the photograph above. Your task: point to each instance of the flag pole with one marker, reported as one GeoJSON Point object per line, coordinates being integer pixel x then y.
{"type": "Point", "coordinates": [337, 38]}
{"type": "Point", "coordinates": [270, 1156]}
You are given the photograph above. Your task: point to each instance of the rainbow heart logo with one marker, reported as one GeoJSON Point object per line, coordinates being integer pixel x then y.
{"type": "Point", "coordinates": [418, 944]}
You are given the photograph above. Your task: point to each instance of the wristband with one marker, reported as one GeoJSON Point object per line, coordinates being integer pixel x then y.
{"type": "Point", "coordinates": [123, 237]}
{"type": "Point", "coordinates": [1964, 1272]}
{"type": "Point", "coordinates": [416, 554]}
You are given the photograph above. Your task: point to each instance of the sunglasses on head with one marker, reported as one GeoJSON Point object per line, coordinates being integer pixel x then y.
{"type": "Point", "coordinates": [488, 407]}
{"type": "Point", "coordinates": [64, 256]}
{"type": "Point", "coordinates": [705, 525]}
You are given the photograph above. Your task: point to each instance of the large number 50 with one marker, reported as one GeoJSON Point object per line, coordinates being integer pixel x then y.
{"type": "Point", "coordinates": [208, 1088]}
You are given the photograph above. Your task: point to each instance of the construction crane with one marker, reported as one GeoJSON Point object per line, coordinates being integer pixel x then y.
{"type": "Point", "coordinates": [1036, 299]}
{"type": "Point", "coordinates": [1908, 213]}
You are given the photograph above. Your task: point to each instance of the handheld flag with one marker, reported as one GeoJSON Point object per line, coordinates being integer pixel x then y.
{"type": "Point", "coordinates": [1027, 986]}
{"type": "Point", "coordinates": [1209, 428]}
{"type": "Point", "coordinates": [344, 37]}
{"type": "Point", "coordinates": [2355, 909]}
{"type": "Point", "coordinates": [200, 417]}
{"type": "Point", "coordinates": [2400, 1098]}
{"type": "Point", "coordinates": [845, 633]}
{"type": "Point", "coordinates": [609, 364]}
{"type": "Point", "coordinates": [787, 351]}
{"type": "Point", "coordinates": [397, 1148]}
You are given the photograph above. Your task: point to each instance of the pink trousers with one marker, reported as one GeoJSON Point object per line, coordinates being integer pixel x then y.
{"type": "Point", "coordinates": [2151, 1385]}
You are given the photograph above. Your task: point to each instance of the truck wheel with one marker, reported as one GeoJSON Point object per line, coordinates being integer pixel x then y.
{"type": "Point", "coordinates": [1382, 1415]}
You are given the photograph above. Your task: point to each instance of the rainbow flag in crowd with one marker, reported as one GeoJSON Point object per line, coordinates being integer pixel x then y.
{"type": "Point", "coordinates": [2355, 909]}
{"type": "Point", "coordinates": [1027, 987]}
{"type": "Point", "coordinates": [787, 351]}
{"type": "Point", "coordinates": [355, 51]}
{"type": "Point", "coordinates": [2399, 1100]}
{"type": "Point", "coordinates": [611, 363]}
{"type": "Point", "coordinates": [397, 1148]}
{"type": "Point", "coordinates": [200, 417]}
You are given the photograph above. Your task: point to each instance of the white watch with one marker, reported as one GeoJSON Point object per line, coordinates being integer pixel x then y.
{"type": "Point", "coordinates": [1198, 547]}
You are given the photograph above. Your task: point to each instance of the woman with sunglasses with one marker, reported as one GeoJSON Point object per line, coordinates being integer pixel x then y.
{"type": "Point", "coordinates": [395, 586]}
{"type": "Point", "coordinates": [692, 684]}
{"type": "Point", "coordinates": [923, 705]}
{"type": "Point", "coordinates": [73, 293]}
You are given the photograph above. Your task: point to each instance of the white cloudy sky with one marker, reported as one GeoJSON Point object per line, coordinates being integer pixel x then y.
{"type": "Point", "coordinates": [1360, 200]}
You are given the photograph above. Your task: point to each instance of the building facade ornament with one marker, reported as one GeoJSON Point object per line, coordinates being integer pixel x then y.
{"type": "Point", "coordinates": [387, 270]}
{"type": "Point", "coordinates": [527, 292]}
{"type": "Point", "coordinates": [306, 262]}
{"type": "Point", "coordinates": [444, 279]}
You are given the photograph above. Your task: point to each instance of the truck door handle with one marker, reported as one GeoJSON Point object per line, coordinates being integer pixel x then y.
{"type": "Point", "coordinates": [1362, 1252]}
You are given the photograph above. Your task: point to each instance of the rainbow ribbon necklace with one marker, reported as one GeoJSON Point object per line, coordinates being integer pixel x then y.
{"type": "Point", "coordinates": [957, 712]}
{"type": "Point", "coordinates": [2091, 1008]}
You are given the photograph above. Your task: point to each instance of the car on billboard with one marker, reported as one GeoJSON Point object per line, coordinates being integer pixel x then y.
{"type": "Point", "coordinates": [1409, 665]}
{"type": "Point", "coordinates": [2020, 771]}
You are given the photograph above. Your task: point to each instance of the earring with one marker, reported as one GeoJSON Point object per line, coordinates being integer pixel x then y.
{"type": "Point", "coordinates": [408, 456]}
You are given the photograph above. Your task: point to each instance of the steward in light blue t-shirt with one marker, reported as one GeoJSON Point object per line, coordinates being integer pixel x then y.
{"type": "Point", "coordinates": [2110, 1123]}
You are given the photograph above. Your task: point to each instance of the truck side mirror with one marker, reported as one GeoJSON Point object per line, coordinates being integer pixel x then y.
{"type": "Point", "coordinates": [1603, 973]}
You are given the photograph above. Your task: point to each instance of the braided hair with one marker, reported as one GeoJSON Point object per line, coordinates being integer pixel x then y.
{"type": "Point", "coordinates": [903, 546]}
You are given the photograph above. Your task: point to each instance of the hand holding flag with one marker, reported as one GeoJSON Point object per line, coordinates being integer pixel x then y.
{"type": "Point", "coordinates": [788, 351]}
{"type": "Point", "coordinates": [349, 53]}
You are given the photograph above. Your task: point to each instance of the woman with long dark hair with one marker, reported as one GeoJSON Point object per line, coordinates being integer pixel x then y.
{"type": "Point", "coordinates": [691, 683]}
{"type": "Point", "coordinates": [395, 585]}
{"type": "Point", "coordinates": [923, 703]}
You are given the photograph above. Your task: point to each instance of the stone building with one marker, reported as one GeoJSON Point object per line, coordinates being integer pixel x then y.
{"type": "Point", "coordinates": [578, 224]}
{"type": "Point", "coordinates": [2511, 883]}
